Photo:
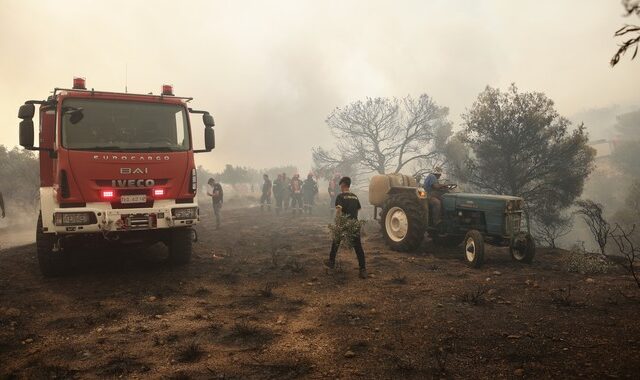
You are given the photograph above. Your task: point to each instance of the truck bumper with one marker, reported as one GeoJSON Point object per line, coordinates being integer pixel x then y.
{"type": "Point", "coordinates": [107, 219]}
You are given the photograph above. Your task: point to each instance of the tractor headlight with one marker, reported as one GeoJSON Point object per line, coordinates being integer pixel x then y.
{"type": "Point", "coordinates": [422, 193]}
{"type": "Point", "coordinates": [74, 218]}
{"type": "Point", "coordinates": [185, 213]}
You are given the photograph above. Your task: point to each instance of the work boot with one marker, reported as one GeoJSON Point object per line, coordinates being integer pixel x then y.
{"type": "Point", "coordinates": [329, 264]}
{"type": "Point", "coordinates": [363, 273]}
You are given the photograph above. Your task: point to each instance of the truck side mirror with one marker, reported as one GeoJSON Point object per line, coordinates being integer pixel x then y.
{"type": "Point", "coordinates": [207, 119]}
{"type": "Point", "coordinates": [209, 138]}
{"type": "Point", "coordinates": [26, 132]}
{"type": "Point", "coordinates": [26, 111]}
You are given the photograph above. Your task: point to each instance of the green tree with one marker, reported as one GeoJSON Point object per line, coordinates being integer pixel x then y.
{"type": "Point", "coordinates": [21, 171]}
{"type": "Point", "coordinates": [626, 154]}
{"type": "Point", "coordinates": [518, 144]}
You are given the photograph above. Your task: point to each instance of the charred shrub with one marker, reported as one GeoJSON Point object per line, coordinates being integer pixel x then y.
{"type": "Point", "coordinates": [191, 353]}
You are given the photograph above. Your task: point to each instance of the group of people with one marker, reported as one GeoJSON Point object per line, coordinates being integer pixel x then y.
{"type": "Point", "coordinates": [294, 193]}
{"type": "Point", "coordinates": [300, 195]}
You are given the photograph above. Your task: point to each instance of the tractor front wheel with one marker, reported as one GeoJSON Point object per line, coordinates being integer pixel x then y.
{"type": "Point", "coordinates": [523, 248]}
{"type": "Point", "coordinates": [474, 248]}
{"type": "Point", "coordinates": [404, 222]}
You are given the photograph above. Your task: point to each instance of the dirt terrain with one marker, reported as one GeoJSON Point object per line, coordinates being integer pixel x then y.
{"type": "Point", "coordinates": [256, 302]}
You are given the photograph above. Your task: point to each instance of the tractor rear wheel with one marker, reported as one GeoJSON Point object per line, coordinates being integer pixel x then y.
{"type": "Point", "coordinates": [474, 248]}
{"type": "Point", "coordinates": [403, 221]}
{"type": "Point", "coordinates": [523, 249]}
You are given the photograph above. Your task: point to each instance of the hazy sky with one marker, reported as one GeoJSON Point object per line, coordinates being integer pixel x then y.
{"type": "Point", "coordinates": [271, 71]}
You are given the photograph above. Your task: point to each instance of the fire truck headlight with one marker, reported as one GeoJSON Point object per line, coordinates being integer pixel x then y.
{"type": "Point", "coordinates": [185, 213]}
{"type": "Point", "coordinates": [74, 218]}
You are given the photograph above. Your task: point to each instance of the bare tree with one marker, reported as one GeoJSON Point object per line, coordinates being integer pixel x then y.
{"type": "Point", "coordinates": [549, 226]}
{"type": "Point", "coordinates": [386, 135]}
{"type": "Point", "coordinates": [631, 7]}
{"type": "Point", "coordinates": [591, 213]}
{"type": "Point", "coordinates": [628, 248]}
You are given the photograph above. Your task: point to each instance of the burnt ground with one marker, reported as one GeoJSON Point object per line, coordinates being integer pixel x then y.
{"type": "Point", "coordinates": [256, 302]}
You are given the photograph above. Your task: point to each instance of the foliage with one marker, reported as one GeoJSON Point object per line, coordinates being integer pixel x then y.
{"type": "Point", "coordinates": [21, 171]}
{"type": "Point", "coordinates": [386, 135]}
{"type": "Point", "coordinates": [631, 7]}
{"type": "Point", "coordinates": [627, 149]}
{"type": "Point", "coordinates": [345, 230]}
{"type": "Point", "coordinates": [518, 144]}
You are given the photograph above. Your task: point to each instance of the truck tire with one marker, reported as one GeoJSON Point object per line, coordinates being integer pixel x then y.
{"type": "Point", "coordinates": [404, 222]}
{"type": "Point", "coordinates": [474, 248]}
{"type": "Point", "coordinates": [524, 249]}
{"type": "Point", "coordinates": [180, 246]}
{"type": "Point", "coordinates": [51, 263]}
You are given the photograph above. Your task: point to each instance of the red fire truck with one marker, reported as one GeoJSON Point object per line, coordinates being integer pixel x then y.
{"type": "Point", "coordinates": [114, 168]}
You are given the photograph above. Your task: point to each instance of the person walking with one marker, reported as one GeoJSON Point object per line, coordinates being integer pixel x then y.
{"type": "Point", "coordinates": [214, 190]}
{"type": "Point", "coordinates": [265, 199]}
{"type": "Point", "coordinates": [296, 194]}
{"type": "Point", "coordinates": [278, 192]}
{"type": "Point", "coordinates": [309, 192]}
{"type": "Point", "coordinates": [347, 206]}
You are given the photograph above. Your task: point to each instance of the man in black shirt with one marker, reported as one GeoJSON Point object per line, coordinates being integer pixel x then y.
{"type": "Point", "coordinates": [347, 204]}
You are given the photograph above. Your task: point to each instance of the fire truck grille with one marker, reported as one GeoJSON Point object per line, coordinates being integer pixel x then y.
{"type": "Point", "coordinates": [137, 221]}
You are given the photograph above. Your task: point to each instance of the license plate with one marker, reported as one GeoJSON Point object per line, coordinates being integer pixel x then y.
{"type": "Point", "coordinates": [126, 199]}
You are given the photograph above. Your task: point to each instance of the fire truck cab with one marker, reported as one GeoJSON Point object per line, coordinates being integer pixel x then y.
{"type": "Point", "coordinates": [114, 168]}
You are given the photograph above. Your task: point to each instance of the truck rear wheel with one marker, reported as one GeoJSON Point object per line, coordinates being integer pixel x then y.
{"type": "Point", "coordinates": [523, 249]}
{"type": "Point", "coordinates": [51, 263]}
{"type": "Point", "coordinates": [180, 246]}
{"type": "Point", "coordinates": [474, 248]}
{"type": "Point", "coordinates": [404, 222]}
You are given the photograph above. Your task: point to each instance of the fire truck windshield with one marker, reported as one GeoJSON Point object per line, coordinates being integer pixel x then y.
{"type": "Point", "coordinates": [90, 124]}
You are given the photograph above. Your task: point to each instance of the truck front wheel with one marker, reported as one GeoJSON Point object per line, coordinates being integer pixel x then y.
{"type": "Point", "coordinates": [51, 263]}
{"type": "Point", "coordinates": [474, 248]}
{"type": "Point", "coordinates": [180, 246]}
{"type": "Point", "coordinates": [404, 222]}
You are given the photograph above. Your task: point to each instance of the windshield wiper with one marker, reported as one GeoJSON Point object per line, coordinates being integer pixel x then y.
{"type": "Point", "coordinates": [158, 148]}
{"type": "Point", "coordinates": [110, 147]}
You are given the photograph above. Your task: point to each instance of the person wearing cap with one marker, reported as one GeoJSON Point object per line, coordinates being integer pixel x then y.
{"type": "Point", "coordinates": [347, 205]}
{"type": "Point", "coordinates": [433, 187]}
{"type": "Point", "coordinates": [309, 191]}
{"type": "Point", "coordinates": [295, 188]}
{"type": "Point", "coordinates": [265, 199]}
{"type": "Point", "coordinates": [214, 190]}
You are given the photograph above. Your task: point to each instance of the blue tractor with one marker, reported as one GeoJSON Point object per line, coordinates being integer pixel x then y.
{"type": "Point", "coordinates": [470, 220]}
